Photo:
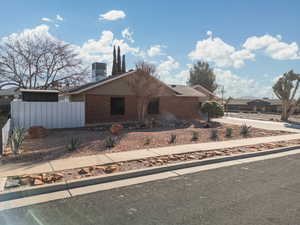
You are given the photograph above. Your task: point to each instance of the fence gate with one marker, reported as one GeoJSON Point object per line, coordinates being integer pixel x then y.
{"type": "Point", "coordinates": [47, 114]}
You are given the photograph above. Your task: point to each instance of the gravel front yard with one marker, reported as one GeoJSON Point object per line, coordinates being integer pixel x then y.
{"type": "Point", "coordinates": [92, 141]}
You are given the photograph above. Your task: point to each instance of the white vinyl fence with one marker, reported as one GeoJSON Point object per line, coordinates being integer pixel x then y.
{"type": "Point", "coordinates": [47, 114]}
{"type": "Point", "coordinates": [5, 134]}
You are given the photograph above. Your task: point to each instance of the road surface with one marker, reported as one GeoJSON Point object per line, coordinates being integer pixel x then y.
{"type": "Point", "coordinates": [263, 192]}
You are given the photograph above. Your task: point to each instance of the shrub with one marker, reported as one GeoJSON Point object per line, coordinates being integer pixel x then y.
{"type": "Point", "coordinates": [74, 144]}
{"type": "Point", "coordinates": [213, 109]}
{"type": "Point", "coordinates": [110, 142]}
{"type": "Point", "coordinates": [16, 139]}
{"type": "Point", "coordinates": [147, 141]}
{"type": "Point", "coordinates": [172, 139]}
{"type": "Point", "coordinates": [229, 132]}
{"type": "Point", "coordinates": [195, 136]}
{"type": "Point", "coordinates": [245, 130]}
{"type": "Point", "coordinates": [214, 134]}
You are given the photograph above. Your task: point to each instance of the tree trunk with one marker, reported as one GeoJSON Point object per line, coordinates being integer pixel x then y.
{"type": "Point", "coordinates": [284, 113]}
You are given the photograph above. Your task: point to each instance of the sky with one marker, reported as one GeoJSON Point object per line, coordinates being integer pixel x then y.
{"type": "Point", "coordinates": [248, 43]}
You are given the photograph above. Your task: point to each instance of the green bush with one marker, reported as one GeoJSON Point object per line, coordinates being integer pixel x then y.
{"type": "Point", "coordinates": [213, 109]}
{"type": "Point", "coordinates": [214, 134]}
{"type": "Point", "coordinates": [229, 132]}
{"type": "Point", "coordinates": [245, 130]}
{"type": "Point", "coordinates": [172, 139]}
{"type": "Point", "coordinates": [74, 144]}
{"type": "Point", "coordinates": [110, 142]}
{"type": "Point", "coordinates": [195, 136]}
{"type": "Point", "coordinates": [16, 139]}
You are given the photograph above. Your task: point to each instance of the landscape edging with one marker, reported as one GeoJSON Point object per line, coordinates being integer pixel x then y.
{"type": "Point", "coordinates": [76, 183]}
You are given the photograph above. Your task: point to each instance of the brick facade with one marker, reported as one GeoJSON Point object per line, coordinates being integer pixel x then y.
{"type": "Point", "coordinates": [98, 108]}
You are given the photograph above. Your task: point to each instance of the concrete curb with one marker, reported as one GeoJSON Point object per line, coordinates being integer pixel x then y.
{"type": "Point", "coordinates": [67, 185]}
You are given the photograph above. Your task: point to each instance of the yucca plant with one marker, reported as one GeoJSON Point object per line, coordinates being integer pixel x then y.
{"type": "Point", "coordinates": [245, 130]}
{"type": "Point", "coordinates": [172, 139]}
{"type": "Point", "coordinates": [74, 144]}
{"type": "Point", "coordinates": [214, 134]}
{"type": "Point", "coordinates": [110, 142]}
{"type": "Point", "coordinates": [195, 136]}
{"type": "Point", "coordinates": [228, 132]}
{"type": "Point", "coordinates": [16, 139]}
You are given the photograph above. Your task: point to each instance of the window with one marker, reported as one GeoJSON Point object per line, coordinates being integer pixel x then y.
{"type": "Point", "coordinates": [117, 106]}
{"type": "Point", "coordinates": [153, 106]}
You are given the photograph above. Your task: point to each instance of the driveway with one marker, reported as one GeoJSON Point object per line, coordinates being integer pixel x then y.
{"type": "Point", "coordinates": [268, 125]}
{"type": "Point", "coordinates": [264, 192]}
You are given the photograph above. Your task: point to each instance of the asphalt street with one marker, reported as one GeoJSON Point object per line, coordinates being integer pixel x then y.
{"type": "Point", "coordinates": [263, 192]}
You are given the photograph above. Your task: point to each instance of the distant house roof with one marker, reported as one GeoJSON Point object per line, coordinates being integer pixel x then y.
{"type": "Point", "coordinates": [203, 89]}
{"type": "Point", "coordinates": [241, 101]}
{"type": "Point", "coordinates": [183, 90]}
{"type": "Point", "coordinates": [8, 91]}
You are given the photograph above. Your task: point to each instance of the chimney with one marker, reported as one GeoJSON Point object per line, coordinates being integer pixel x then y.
{"type": "Point", "coordinates": [98, 71]}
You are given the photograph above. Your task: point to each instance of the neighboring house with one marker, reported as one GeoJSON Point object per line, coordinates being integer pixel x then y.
{"type": "Point", "coordinates": [111, 99]}
{"type": "Point", "coordinates": [205, 91]}
{"type": "Point", "coordinates": [6, 96]}
{"type": "Point", "coordinates": [254, 105]}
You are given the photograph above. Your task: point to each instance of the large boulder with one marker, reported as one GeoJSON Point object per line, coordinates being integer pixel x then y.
{"type": "Point", "coordinates": [116, 128]}
{"type": "Point", "coordinates": [37, 132]}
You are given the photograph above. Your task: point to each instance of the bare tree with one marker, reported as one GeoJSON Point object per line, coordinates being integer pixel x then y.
{"type": "Point", "coordinates": [285, 89]}
{"type": "Point", "coordinates": [39, 61]}
{"type": "Point", "coordinates": [145, 85]}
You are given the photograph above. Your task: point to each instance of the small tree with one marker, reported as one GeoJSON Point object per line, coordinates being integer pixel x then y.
{"type": "Point", "coordinates": [201, 74]}
{"type": "Point", "coordinates": [285, 89]}
{"type": "Point", "coordinates": [145, 85]}
{"type": "Point", "coordinates": [213, 109]}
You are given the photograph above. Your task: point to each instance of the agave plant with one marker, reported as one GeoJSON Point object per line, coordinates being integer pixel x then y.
{"type": "Point", "coordinates": [245, 130]}
{"type": "Point", "coordinates": [74, 144]}
{"type": "Point", "coordinates": [16, 139]}
{"type": "Point", "coordinates": [214, 134]}
{"type": "Point", "coordinates": [172, 139]}
{"type": "Point", "coordinates": [110, 142]}
{"type": "Point", "coordinates": [195, 136]}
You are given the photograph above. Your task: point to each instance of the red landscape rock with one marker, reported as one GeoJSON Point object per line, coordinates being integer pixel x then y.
{"type": "Point", "coordinates": [116, 128]}
{"type": "Point", "coordinates": [37, 132]}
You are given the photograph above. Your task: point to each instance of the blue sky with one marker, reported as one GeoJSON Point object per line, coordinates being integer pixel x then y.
{"type": "Point", "coordinates": [248, 43]}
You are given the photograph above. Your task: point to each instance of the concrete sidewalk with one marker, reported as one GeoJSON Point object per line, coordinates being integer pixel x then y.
{"type": "Point", "coordinates": [69, 163]}
{"type": "Point", "coordinates": [267, 125]}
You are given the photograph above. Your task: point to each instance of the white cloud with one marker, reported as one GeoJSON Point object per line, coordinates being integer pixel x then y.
{"type": "Point", "coordinates": [45, 19]}
{"type": "Point", "coordinates": [59, 17]}
{"type": "Point", "coordinates": [127, 34]}
{"type": "Point", "coordinates": [209, 33]}
{"type": "Point", "coordinates": [41, 30]}
{"type": "Point", "coordinates": [273, 47]}
{"type": "Point", "coordinates": [236, 86]}
{"type": "Point", "coordinates": [168, 65]}
{"type": "Point", "coordinates": [215, 50]}
{"type": "Point", "coordinates": [155, 50]}
{"type": "Point", "coordinates": [113, 15]}
{"type": "Point", "coordinates": [101, 49]}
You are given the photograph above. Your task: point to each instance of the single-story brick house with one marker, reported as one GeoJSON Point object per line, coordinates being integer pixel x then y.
{"type": "Point", "coordinates": [112, 99]}
{"type": "Point", "coordinates": [254, 105]}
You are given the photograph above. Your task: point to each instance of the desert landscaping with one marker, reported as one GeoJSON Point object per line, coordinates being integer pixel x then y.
{"type": "Point", "coordinates": [99, 140]}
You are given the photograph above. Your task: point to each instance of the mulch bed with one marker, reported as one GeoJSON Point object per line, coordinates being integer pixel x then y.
{"type": "Point", "coordinates": [92, 141]}
{"type": "Point", "coordinates": [96, 170]}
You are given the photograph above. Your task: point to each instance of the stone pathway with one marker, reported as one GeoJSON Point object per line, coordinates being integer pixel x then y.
{"type": "Point", "coordinates": [69, 163]}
